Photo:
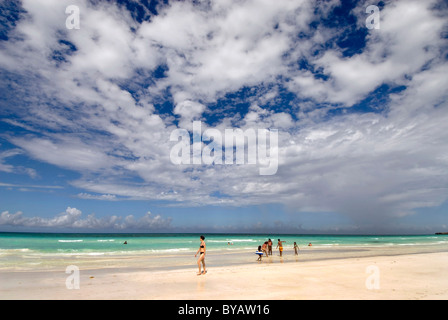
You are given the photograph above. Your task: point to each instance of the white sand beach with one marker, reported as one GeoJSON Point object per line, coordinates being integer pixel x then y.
{"type": "Point", "coordinates": [408, 277]}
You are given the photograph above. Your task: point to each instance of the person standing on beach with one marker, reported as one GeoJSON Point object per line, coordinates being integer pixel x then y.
{"type": "Point", "coordinates": [280, 246]}
{"type": "Point", "coordinates": [296, 248]}
{"type": "Point", "coordinates": [270, 247]}
{"type": "Point", "coordinates": [201, 258]}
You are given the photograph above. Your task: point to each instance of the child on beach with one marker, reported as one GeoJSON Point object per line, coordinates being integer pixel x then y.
{"type": "Point", "coordinates": [296, 248]}
{"type": "Point", "coordinates": [259, 252]}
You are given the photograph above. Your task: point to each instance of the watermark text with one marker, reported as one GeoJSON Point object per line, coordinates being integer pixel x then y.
{"type": "Point", "coordinates": [72, 281]}
{"type": "Point", "coordinates": [72, 21]}
{"type": "Point", "coordinates": [207, 147]}
{"type": "Point", "coordinates": [373, 20]}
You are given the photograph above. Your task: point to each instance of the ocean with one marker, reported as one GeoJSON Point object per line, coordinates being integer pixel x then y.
{"type": "Point", "coordinates": [39, 251]}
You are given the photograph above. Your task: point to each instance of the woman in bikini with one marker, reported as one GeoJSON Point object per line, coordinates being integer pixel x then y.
{"type": "Point", "coordinates": [201, 259]}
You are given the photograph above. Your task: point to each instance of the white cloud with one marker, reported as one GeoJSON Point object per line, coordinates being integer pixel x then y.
{"type": "Point", "coordinates": [409, 38]}
{"type": "Point", "coordinates": [6, 154]}
{"type": "Point", "coordinates": [5, 167]}
{"type": "Point", "coordinates": [71, 218]}
{"type": "Point", "coordinates": [364, 165]}
{"type": "Point", "coordinates": [65, 153]}
{"type": "Point", "coordinates": [221, 46]}
{"type": "Point", "coordinates": [188, 111]}
{"type": "Point", "coordinates": [109, 197]}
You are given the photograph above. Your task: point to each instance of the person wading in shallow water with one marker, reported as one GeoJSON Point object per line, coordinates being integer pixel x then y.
{"type": "Point", "coordinates": [280, 247]}
{"type": "Point", "coordinates": [201, 258]}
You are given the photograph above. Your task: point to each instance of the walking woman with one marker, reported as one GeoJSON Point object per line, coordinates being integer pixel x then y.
{"type": "Point", "coordinates": [201, 258]}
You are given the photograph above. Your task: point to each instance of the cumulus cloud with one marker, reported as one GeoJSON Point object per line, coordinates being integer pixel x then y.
{"type": "Point", "coordinates": [409, 38]}
{"type": "Point", "coordinates": [96, 107]}
{"type": "Point", "coordinates": [72, 218]}
{"type": "Point", "coordinates": [188, 112]}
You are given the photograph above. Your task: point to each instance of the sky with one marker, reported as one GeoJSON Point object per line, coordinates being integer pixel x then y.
{"type": "Point", "coordinates": [91, 92]}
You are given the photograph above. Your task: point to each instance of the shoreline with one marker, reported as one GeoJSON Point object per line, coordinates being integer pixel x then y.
{"type": "Point", "coordinates": [216, 262]}
{"type": "Point", "coordinates": [400, 276]}
{"type": "Point", "coordinates": [235, 257]}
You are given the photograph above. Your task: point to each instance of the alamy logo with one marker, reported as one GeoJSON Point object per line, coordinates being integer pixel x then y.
{"type": "Point", "coordinates": [191, 150]}
{"type": "Point", "coordinates": [72, 21]}
{"type": "Point", "coordinates": [373, 21]}
{"type": "Point", "coordinates": [373, 280]}
{"type": "Point", "coordinates": [72, 281]}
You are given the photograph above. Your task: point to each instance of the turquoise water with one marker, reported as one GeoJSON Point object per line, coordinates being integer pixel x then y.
{"type": "Point", "coordinates": [25, 250]}
{"type": "Point", "coordinates": [160, 243]}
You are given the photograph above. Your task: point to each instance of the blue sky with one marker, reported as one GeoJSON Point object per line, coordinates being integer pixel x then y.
{"type": "Point", "coordinates": [86, 115]}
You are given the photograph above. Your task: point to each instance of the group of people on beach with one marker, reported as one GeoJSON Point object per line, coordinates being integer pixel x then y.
{"type": "Point", "coordinates": [266, 248]}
